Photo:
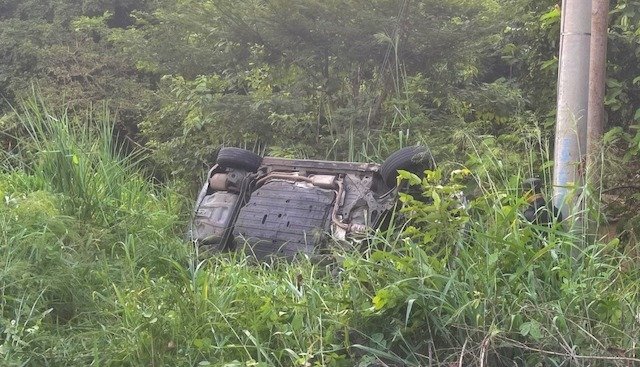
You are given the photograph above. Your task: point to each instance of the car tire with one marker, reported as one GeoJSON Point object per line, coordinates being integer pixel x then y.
{"type": "Point", "coordinates": [230, 157]}
{"type": "Point", "coordinates": [415, 159]}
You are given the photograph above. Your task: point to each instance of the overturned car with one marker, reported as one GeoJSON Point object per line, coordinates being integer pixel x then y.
{"type": "Point", "coordinates": [278, 207]}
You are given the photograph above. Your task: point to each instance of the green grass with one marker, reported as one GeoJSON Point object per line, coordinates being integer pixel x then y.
{"type": "Point", "coordinates": [94, 270]}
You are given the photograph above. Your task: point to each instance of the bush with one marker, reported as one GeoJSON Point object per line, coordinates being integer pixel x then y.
{"type": "Point", "coordinates": [95, 270]}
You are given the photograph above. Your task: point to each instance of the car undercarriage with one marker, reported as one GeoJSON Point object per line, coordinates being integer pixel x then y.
{"type": "Point", "coordinates": [278, 207]}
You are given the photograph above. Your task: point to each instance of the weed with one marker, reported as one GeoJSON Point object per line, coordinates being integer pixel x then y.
{"type": "Point", "coordinates": [94, 270]}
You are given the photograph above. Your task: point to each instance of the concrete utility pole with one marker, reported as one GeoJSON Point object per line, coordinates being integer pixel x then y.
{"type": "Point", "coordinates": [597, 80]}
{"type": "Point", "coordinates": [573, 95]}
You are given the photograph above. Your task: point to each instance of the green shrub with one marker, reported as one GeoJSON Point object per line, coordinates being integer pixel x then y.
{"type": "Point", "coordinates": [94, 270]}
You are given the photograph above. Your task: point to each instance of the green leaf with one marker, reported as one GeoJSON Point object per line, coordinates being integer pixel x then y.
{"type": "Point", "coordinates": [436, 199]}
{"type": "Point", "coordinates": [552, 14]}
{"type": "Point", "coordinates": [531, 328]}
{"type": "Point", "coordinates": [612, 135]}
{"type": "Point", "coordinates": [459, 174]}
{"type": "Point", "coordinates": [534, 331]}
{"type": "Point", "coordinates": [409, 307]}
{"type": "Point", "coordinates": [381, 298]}
{"type": "Point", "coordinates": [552, 63]}
{"type": "Point", "coordinates": [377, 338]}
{"type": "Point", "coordinates": [493, 259]}
{"type": "Point", "coordinates": [410, 177]}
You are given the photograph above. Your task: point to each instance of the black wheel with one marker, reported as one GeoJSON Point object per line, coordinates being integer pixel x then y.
{"type": "Point", "coordinates": [415, 159]}
{"type": "Point", "coordinates": [239, 158]}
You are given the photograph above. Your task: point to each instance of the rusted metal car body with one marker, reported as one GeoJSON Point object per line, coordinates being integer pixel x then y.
{"type": "Point", "coordinates": [277, 207]}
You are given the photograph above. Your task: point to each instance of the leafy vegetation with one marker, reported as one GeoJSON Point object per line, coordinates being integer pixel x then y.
{"type": "Point", "coordinates": [134, 98]}
{"type": "Point", "coordinates": [304, 78]}
{"type": "Point", "coordinates": [96, 270]}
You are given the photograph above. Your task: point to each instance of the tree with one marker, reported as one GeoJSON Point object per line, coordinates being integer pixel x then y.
{"type": "Point", "coordinates": [305, 76]}
{"type": "Point", "coordinates": [61, 48]}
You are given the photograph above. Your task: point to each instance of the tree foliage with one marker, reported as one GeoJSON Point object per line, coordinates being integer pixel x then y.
{"type": "Point", "coordinates": [304, 77]}
{"type": "Point", "coordinates": [52, 46]}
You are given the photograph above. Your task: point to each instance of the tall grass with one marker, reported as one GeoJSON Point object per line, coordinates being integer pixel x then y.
{"type": "Point", "coordinates": [94, 271]}
{"type": "Point", "coordinates": [82, 158]}
{"type": "Point", "coordinates": [70, 224]}
{"type": "Point", "coordinates": [514, 293]}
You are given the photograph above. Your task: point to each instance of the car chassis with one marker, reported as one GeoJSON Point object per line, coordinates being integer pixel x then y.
{"type": "Point", "coordinates": [279, 207]}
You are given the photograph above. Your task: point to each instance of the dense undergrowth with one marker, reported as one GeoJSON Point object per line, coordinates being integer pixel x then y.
{"type": "Point", "coordinates": [95, 270]}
